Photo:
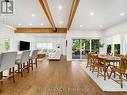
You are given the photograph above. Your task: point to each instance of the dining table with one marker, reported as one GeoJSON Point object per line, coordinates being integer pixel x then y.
{"type": "Point", "coordinates": [107, 60]}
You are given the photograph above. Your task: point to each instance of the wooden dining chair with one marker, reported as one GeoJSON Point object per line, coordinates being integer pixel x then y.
{"type": "Point", "coordinates": [98, 65]}
{"type": "Point", "coordinates": [94, 62]}
{"type": "Point", "coordinates": [119, 55]}
{"type": "Point", "coordinates": [90, 60]}
{"type": "Point", "coordinates": [121, 70]}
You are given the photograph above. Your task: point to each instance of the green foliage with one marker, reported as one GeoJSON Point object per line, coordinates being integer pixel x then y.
{"type": "Point", "coordinates": [116, 49]}
{"type": "Point", "coordinates": [86, 43]}
{"type": "Point", "coordinates": [76, 44]}
{"type": "Point", "coordinates": [95, 45]}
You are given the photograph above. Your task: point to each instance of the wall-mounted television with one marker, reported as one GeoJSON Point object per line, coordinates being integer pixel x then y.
{"type": "Point", "coordinates": [23, 45]}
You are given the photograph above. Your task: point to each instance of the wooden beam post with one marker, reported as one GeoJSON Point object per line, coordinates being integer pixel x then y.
{"type": "Point", "coordinates": [40, 30]}
{"type": "Point", "coordinates": [46, 9]}
{"type": "Point", "coordinates": [72, 12]}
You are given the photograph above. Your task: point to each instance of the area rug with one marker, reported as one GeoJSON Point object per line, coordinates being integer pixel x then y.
{"type": "Point", "coordinates": [108, 85]}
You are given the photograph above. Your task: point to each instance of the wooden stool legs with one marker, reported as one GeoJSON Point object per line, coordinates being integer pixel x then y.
{"type": "Point", "coordinates": [36, 62]}
{"type": "Point", "coordinates": [13, 74]}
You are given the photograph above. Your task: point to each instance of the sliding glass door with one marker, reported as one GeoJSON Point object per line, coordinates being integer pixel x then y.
{"type": "Point", "coordinates": [81, 47]}
{"type": "Point", "coordinates": [75, 48]}
{"type": "Point", "coordinates": [85, 48]}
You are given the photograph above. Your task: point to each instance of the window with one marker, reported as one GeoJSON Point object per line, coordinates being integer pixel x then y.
{"type": "Point", "coordinates": [95, 45]}
{"type": "Point", "coordinates": [44, 46]}
{"type": "Point", "coordinates": [116, 49]}
{"type": "Point", "coordinates": [86, 45]}
{"type": "Point", "coordinates": [116, 43]}
{"type": "Point", "coordinates": [113, 44]}
{"type": "Point", "coordinates": [109, 48]}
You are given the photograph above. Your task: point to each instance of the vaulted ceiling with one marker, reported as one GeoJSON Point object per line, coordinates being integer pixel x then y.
{"type": "Point", "coordinates": [90, 14]}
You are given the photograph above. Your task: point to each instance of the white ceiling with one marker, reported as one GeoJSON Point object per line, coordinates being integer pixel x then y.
{"type": "Point", "coordinates": [106, 13]}
{"type": "Point", "coordinates": [60, 15]}
{"type": "Point", "coordinates": [23, 15]}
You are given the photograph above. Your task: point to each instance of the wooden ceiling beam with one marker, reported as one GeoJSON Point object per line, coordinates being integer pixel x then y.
{"type": "Point", "coordinates": [72, 12]}
{"type": "Point", "coordinates": [46, 9]}
{"type": "Point", "coordinates": [40, 30]}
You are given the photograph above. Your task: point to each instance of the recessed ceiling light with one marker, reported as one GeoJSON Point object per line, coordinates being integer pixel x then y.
{"type": "Point", "coordinates": [61, 22]}
{"type": "Point", "coordinates": [100, 26]}
{"type": "Point", "coordinates": [33, 15]}
{"type": "Point", "coordinates": [60, 7]}
{"type": "Point", "coordinates": [81, 26]}
{"type": "Point", "coordinates": [30, 24]}
{"type": "Point", "coordinates": [19, 24]}
{"type": "Point", "coordinates": [122, 14]}
{"type": "Point", "coordinates": [91, 13]}
{"type": "Point", "coordinates": [41, 24]}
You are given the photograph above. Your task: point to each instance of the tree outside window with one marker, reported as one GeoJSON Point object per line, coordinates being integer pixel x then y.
{"type": "Point", "coordinates": [116, 49]}
{"type": "Point", "coordinates": [95, 45]}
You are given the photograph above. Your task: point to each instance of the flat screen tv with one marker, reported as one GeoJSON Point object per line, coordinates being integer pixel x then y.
{"type": "Point", "coordinates": [23, 45]}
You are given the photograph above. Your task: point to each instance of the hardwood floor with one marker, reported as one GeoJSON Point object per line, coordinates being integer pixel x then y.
{"type": "Point", "coordinates": [53, 78]}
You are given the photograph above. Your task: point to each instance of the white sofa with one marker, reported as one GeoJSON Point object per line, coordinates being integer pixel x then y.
{"type": "Point", "coordinates": [55, 55]}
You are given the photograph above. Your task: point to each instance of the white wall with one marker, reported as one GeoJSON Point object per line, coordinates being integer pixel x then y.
{"type": "Point", "coordinates": [6, 33]}
{"type": "Point", "coordinates": [80, 34]}
{"type": "Point", "coordinates": [117, 29]}
{"type": "Point", "coordinates": [121, 30]}
{"type": "Point", "coordinates": [24, 37]}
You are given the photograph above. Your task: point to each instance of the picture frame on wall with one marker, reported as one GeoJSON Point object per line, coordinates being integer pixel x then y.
{"type": "Point", "coordinates": [6, 44]}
